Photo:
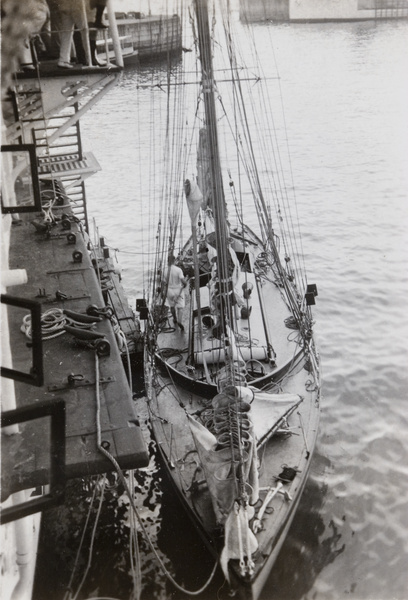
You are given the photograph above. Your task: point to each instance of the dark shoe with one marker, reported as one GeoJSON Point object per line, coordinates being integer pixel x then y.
{"type": "Point", "coordinates": [181, 326]}
{"type": "Point", "coordinates": [94, 54]}
{"type": "Point", "coordinates": [98, 63]}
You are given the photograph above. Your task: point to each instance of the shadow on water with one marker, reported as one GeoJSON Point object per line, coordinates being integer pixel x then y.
{"type": "Point", "coordinates": [191, 562]}
{"type": "Point", "coordinates": [309, 546]}
{"type": "Point", "coordinates": [60, 538]}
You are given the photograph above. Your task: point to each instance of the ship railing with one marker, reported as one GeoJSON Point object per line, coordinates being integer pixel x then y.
{"type": "Point", "coordinates": [55, 409]}
{"type": "Point", "coordinates": [36, 374]}
{"type": "Point", "coordinates": [12, 416]}
{"type": "Point", "coordinates": [106, 46]}
{"type": "Point", "coordinates": [47, 38]}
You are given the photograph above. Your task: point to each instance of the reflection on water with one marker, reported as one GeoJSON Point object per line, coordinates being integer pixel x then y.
{"type": "Point", "coordinates": [310, 544]}
{"type": "Point", "coordinates": [309, 547]}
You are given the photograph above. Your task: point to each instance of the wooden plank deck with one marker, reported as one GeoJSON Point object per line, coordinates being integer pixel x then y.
{"type": "Point", "coordinates": [25, 456]}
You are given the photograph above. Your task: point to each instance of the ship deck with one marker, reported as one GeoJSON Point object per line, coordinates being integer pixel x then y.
{"type": "Point", "coordinates": [50, 68]}
{"type": "Point", "coordinates": [56, 280]}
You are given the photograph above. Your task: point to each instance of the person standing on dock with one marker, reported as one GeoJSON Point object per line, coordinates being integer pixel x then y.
{"type": "Point", "coordinates": [95, 12]}
{"type": "Point", "coordinates": [71, 13]}
{"type": "Point", "coordinates": [76, 14]}
{"type": "Point", "coordinates": [176, 282]}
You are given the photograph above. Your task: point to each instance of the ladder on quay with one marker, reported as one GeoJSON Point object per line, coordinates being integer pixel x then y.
{"type": "Point", "coordinates": [54, 129]}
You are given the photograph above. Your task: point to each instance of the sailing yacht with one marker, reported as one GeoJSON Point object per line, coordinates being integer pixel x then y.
{"type": "Point", "coordinates": [231, 367]}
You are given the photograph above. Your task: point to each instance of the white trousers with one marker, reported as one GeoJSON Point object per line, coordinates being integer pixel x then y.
{"type": "Point", "coordinates": [76, 17]}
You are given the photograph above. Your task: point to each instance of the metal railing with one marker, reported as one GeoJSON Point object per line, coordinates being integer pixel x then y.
{"type": "Point", "coordinates": [36, 375]}
{"type": "Point", "coordinates": [56, 410]}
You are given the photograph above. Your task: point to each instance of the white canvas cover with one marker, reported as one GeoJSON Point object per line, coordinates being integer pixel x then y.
{"type": "Point", "coordinates": [265, 413]}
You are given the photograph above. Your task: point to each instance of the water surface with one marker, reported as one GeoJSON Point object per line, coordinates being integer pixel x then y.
{"type": "Point", "coordinates": [345, 94]}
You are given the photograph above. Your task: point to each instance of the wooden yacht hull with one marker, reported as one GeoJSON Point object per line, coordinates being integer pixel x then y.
{"type": "Point", "coordinates": [251, 590]}
{"type": "Point", "coordinates": [168, 404]}
{"type": "Point", "coordinates": [182, 378]}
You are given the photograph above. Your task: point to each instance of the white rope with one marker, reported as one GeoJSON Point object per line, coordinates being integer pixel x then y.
{"type": "Point", "coordinates": [88, 566]}
{"type": "Point", "coordinates": [134, 553]}
{"type": "Point", "coordinates": [53, 322]}
{"type": "Point", "coordinates": [68, 594]}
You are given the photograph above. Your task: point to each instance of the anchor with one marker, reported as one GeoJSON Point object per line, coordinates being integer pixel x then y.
{"type": "Point", "coordinates": [272, 492]}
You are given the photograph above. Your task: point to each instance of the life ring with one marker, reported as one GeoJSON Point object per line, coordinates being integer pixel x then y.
{"type": "Point", "coordinates": [252, 373]}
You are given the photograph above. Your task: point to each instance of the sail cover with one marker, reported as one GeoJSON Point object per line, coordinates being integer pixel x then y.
{"type": "Point", "coordinates": [220, 465]}
{"type": "Point", "coordinates": [268, 411]}
{"type": "Point", "coordinates": [239, 421]}
{"type": "Point", "coordinates": [220, 469]}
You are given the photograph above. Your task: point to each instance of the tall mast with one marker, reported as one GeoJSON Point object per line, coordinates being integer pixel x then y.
{"type": "Point", "coordinates": [220, 216]}
{"type": "Point", "coordinates": [217, 191]}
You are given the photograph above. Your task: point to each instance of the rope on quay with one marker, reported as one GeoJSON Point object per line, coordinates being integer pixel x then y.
{"type": "Point", "coordinates": [53, 322]}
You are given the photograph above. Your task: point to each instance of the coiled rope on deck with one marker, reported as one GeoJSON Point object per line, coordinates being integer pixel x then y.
{"type": "Point", "coordinates": [53, 322]}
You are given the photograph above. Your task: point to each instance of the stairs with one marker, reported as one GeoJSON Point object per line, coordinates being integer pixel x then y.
{"type": "Point", "coordinates": [65, 161]}
{"type": "Point", "coordinates": [46, 113]}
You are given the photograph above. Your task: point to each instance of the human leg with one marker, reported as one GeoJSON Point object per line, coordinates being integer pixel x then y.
{"type": "Point", "coordinates": [179, 318]}
{"type": "Point", "coordinates": [81, 23]}
{"type": "Point", "coordinates": [179, 307]}
{"type": "Point", "coordinates": [100, 7]}
{"type": "Point", "coordinates": [66, 32]}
